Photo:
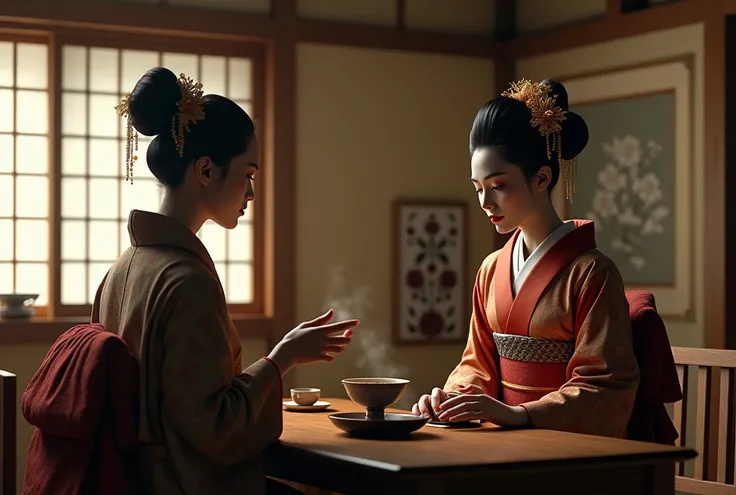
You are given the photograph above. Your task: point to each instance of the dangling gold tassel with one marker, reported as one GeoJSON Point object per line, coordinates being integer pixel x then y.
{"type": "Point", "coordinates": [131, 137]}
{"type": "Point", "coordinates": [569, 176]}
{"type": "Point", "coordinates": [568, 169]}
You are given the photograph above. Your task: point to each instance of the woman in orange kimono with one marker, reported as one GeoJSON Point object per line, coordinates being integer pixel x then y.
{"type": "Point", "coordinates": [550, 342]}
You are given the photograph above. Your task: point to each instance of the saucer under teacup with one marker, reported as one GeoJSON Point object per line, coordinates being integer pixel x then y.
{"type": "Point", "coordinates": [392, 425]}
{"type": "Point", "coordinates": [320, 405]}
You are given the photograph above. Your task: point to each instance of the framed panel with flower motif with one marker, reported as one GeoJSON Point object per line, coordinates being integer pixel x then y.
{"type": "Point", "coordinates": [634, 179]}
{"type": "Point", "coordinates": [430, 261]}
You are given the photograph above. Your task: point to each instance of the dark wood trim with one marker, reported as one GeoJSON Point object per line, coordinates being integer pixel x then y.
{"type": "Point", "coordinates": [260, 275]}
{"type": "Point", "coordinates": [613, 8]}
{"type": "Point", "coordinates": [388, 38]}
{"type": "Point", "coordinates": [131, 18]}
{"type": "Point", "coordinates": [15, 35]}
{"type": "Point", "coordinates": [505, 22]}
{"type": "Point", "coordinates": [139, 17]}
{"type": "Point", "coordinates": [611, 27]}
{"type": "Point", "coordinates": [716, 266]}
{"type": "Point", "coordinates": [281, 134]}
{"type": "Point", "coordinates": [401, 14]}
{"type": "Point", "coordinates": [55, 78]}
{"type": "Point", "coordinates": [102, 37]}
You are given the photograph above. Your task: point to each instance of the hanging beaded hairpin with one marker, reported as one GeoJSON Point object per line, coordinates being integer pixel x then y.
{"type": "Point", "coordinates": [131, 137]}
{"type": "Point", "coordinates": [190, 110]}
{"type": "Point", "coordinates": [547, 117]}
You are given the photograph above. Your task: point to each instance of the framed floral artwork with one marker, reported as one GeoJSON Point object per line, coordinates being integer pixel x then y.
{"type": "Point", "coordinates": [634, 179]}
{"type": "Point", "coordinates": [430, 266]}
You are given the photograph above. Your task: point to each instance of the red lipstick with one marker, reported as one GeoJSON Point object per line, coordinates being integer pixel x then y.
{"type": "Point", "coordinates": [495, 218]}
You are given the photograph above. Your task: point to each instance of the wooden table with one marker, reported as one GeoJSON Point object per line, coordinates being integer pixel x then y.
{"type": "Point", "coordinates": [312, 451]}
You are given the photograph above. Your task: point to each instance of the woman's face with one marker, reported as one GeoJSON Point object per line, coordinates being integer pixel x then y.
{"type": "Point", "coordinates": [504, 193]}
{"type": "Point", "coordinates": [228, 198]}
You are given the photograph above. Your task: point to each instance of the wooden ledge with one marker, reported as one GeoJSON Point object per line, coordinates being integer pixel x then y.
{"type": "Point", "coordinates": [45, 330]}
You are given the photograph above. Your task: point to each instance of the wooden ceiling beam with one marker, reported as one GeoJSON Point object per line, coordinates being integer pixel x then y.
{"type": "Point", "coordinates": [389, 38]}
{"type": "Point", "coordinates": [611, 27]}
{"type": "Point", "coordinates": [137, 17]}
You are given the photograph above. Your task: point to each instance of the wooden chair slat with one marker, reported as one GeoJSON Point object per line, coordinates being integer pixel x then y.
{"type": "Point", "coordinates": [680, 414]}
{"type": "Point", "coordinates": [700, 487]}
{"type": "Point", "coordinates": [702, 426]}
{"type": "Point", "coordinates": [706, 360]}
{"type": "Point", "coordinates": [725, 398]}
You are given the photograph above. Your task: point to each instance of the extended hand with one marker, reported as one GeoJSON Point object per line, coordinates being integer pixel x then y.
{"type": "Point", "coordinates": [312, 341]}
{"type": "Point", "coordinates": [473, 404]}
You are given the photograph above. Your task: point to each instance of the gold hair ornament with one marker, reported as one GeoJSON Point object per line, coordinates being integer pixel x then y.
{"type": "Point", "coordinates": [190, 110]}
{"type": "Point", "coordinates": [131, 137]}
{"type": "Point", "coordinates": [547, 117]}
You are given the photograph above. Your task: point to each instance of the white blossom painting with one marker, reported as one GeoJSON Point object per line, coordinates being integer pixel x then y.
{"type": "Point", "coordinates": [635, 178]}
{"type": "Point", "coordinates": [626, 184]}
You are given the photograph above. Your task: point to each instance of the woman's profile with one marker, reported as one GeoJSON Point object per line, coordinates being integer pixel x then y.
{"type": "Point", "coordinates": [204, 418]}
{"type": "Point", "coordinates": [550, 341]}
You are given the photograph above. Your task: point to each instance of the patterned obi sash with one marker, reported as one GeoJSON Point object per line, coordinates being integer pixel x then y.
{"type": "Point", "coordinates": [531, 367]}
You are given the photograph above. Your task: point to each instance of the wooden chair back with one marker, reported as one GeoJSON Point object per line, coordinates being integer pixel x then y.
{"type": "Point", "coordinates": [7, 433]}
{"type": "Point", "coordinates": [709, 424]}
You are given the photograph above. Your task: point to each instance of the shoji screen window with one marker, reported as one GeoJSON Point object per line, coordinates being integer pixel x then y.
{"type": "Point", "coordinates": [96, 199]}
{"type": "Point", "coordinates": [24, 170]}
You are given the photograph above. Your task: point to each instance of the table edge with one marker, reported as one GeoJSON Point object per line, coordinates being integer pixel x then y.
{"type": "Point", "coordinates": [679, 455]}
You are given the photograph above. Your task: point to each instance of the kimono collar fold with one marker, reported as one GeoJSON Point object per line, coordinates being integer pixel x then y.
{"type": "Point", "coordinates": [514, 313]}
{"type": "Point", "coordinates": [153, 229]}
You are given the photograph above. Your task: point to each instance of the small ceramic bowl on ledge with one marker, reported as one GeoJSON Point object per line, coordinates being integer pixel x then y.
{"type": "Point", "coordinates": [305, 396]}
{"type": "Point", "coordinates": [17, 306]}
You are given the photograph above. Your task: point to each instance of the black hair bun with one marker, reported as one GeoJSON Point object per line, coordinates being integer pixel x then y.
{"type": "Point", "coordinates": [153, 101]}
{"type": "Point", "coordinates": [574, 129]}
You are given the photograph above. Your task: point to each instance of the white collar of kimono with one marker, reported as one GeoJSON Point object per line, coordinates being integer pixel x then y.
{"type": "Point", "coordinates": [520, 267]}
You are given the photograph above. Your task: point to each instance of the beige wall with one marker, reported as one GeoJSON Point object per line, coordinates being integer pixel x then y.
{"type": "Point", "coordinates": [373, 126]}
{"type": "Point", "coordinates": [663, 45]}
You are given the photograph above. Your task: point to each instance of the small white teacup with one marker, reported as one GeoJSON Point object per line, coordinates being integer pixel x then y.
{"type": "Point", "coordinates": [305, 396]}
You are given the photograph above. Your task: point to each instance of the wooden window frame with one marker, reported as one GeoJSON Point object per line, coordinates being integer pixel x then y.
{"type": "Point", "coordinates": [41, 311]}
{"type": "Point", "coordinates": [254, 319]}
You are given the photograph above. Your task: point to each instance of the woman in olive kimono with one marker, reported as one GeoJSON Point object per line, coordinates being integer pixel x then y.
{"type": "Point", "coordinates": [550, 343]}
{"type": "Point", "coordinates": [204, 419]}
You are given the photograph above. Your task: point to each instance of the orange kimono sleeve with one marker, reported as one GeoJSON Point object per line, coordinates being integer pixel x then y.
{"type": "Point", "coordinates": [604, 375]}
{"type": "Point", "coordinates": [479, 362]}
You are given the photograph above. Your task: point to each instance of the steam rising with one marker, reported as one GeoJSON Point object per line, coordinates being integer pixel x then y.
{"type": "Point", "coordinates": [374, 353]}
